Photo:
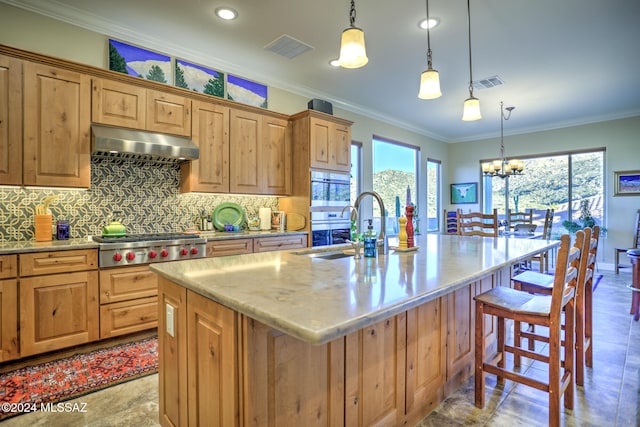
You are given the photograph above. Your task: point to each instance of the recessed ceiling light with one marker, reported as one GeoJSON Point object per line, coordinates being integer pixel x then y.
{"type": "Point", "coordinates": [433, 22]}
{"type": "Point", "coordinates": [226, 13]}
{"type": "Point", "coordinates": [334, 63]}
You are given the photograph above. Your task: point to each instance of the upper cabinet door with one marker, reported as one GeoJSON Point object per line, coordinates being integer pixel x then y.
{"type": "Point", "coordinates": [330, 145]}
{"type": "Point", "coordinates": [118, 104]}
{"type": "Point", "coordinates": [320, 134]}
{"type": "Point", "coordinates": [342, 147]}
{"type": "Point", "coordinates": [276, 157]}
{"type": "Point", "coordinates": [168, 113]}
{"type": "Point", "coordinates": [56, 127]}
{"type": "Point", "coordinates": [210, 131]}
{"type": "Point", "coordinates": [10, 121]}
{"type": "Point", "coordinates": [246, 140]}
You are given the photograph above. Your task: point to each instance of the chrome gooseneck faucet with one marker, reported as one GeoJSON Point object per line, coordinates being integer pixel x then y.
{"type": "Point", "coordinates": [383, 243]}
{"type": "Point", "coordinates": [354, 220]}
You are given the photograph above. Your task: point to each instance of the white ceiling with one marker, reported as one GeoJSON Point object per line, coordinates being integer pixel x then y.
{"type": "Point", "coordinates": [563, 62]}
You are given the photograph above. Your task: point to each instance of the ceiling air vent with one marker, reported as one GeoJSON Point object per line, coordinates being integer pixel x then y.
{"type": "Point", "coordinates": [287, 46]}
{"type": "Point", "coordinates": [488, 82]}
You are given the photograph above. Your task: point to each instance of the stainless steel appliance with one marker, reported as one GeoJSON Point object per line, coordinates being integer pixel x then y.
{"type": "Point", "coordinates": [134, 249]}
{"type": "Point", "coordinates": [330, 194]}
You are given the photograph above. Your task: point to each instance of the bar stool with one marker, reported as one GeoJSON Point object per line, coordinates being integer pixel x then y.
{"type": "Point", "coordinates": [634, 256]}
{"type": "Point", "coordinates": [543, 310]}
{"type": "Point", "coordinates": [539, 283]}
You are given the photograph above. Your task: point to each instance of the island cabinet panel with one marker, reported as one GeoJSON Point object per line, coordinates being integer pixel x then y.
{"type": "Point", "coordinates": [210, 132]}
{"type": "Point", "coordinates": [461, 337]}
{"type": "Point", "coordinates": [57, 115]}
{"type": "Point", "coordinates": [246, 155]}
{"type": "Point", "coordinates": [118, 104]}
{"type": "Point", "coordinates": [213, 363]}
{"type": "Point", "coordinates": [10, 121]}
{"type": "Point", "coordinates": [426, 356]}
{"type": "Point", "coordinates": [375, 374]}
{"type": "Point", "coordinates": [172, 354]}
{"type": "Point", "coordinates": [287, 382]}
{"type": "Point", "coordinates": [168, 113]}
{"type": "Point", "coordinates": [58, 311]}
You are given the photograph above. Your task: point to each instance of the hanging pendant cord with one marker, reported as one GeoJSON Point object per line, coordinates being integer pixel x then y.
{"type": "Point", "coordinates": [428, 39]}
{"type": "Point", "coordinates": [470, 72]}
{"type": "Point", "coordinates": [352, 13]}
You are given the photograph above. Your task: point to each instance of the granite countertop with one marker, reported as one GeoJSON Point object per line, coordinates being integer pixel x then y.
{"type": "Point", "coordinates": [24, 246]}
{"type": "Point", "coordinates": [318, 300]}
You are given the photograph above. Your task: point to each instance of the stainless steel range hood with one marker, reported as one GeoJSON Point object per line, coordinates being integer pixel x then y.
{"type": "Point", "coordinates": [139, 145]}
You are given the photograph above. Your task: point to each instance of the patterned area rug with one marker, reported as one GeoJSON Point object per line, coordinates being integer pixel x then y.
{"type": "Point", "coordinates": [75, 376]}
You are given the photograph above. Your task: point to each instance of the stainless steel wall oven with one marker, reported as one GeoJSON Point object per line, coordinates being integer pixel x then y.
{"type": "Point", "coordinates": [330, 194]}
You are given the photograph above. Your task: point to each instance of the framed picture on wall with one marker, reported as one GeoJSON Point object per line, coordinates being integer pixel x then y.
{"type": "Point", "coordinates": [246, 91]}
{"type": "Point", "coordinates": [626, 183]}
{"type": "Point", "coordinates": [136, 61]}
{"type": "Point", "coordinates": [465, 192]}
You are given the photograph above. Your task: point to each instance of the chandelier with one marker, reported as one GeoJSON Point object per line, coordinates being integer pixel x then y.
{"type": "Point", "coordinates": [503, 167]}
{"type": "Point", "coordinates": [353, 53]}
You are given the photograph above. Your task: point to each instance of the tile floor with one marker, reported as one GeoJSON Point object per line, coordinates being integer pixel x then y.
{"type": "Point", "coordinates": [610, 397]}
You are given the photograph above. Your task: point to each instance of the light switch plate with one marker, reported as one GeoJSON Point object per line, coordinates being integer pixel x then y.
{"type": "Point", "coordinates": [169, 320]}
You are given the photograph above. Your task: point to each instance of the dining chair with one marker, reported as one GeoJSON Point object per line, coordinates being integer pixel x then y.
{"type": "Point", "coordinates": [634, 245]}
{"type": "Point", "coordinates": [539, 283]}
{"type": "Point", "coordinates": [544, 310]}
{"type": "Point", "coordinates": [450, 222]}
{"type": "Point", "coordinates": [543, 257]}
{"type": "Point", "coordinates": [478, 224]}
{"type": "Point", "coordinates": [516, 218]}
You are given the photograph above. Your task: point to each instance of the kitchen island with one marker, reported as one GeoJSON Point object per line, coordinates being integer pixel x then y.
{"type": "Point", "coordinates": [296, 338]}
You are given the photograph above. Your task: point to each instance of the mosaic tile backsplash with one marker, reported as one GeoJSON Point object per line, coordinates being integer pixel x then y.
{"type": "Point", "coordinates": [145, 197]}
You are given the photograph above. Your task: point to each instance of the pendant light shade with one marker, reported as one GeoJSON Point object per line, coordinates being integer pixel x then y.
{"type": "Point", "coordinates": [429, 84]}
{"type": "Point", "coordinates": [353, 53]}
{"type": "Point", "coordinates": [429, 79]}
{"type": "Point", "coordinates": [471, 110]}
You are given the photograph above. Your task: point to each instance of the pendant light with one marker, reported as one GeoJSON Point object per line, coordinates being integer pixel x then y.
{"type": "Point", "coordinates": [471, 110]}
{"type": "Point", "coordinates": [352, 51]}
{"type": "Point", "coordinates": [502, 167]}
{"type": "Point", "coordinates": [429, 79]}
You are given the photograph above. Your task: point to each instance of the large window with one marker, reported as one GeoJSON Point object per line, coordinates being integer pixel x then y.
{"type": "Point", "coordinates": [433, 195]}
{"type": "Point", "coordinates": [395, 168]}
{"type": "Point", "coordinates": [566, 182]}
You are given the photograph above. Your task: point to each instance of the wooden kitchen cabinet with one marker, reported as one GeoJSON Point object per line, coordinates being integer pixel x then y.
{"type": "Point", "coordinates": [58, 311]}
{"type": "Point", "coordinates": [260, 154]}
{"type": "Point", "coordinates": [58, 300]}
{"type": "Point", "coordinates": [229, 247]}
{"type": "Point", "coordinates": [246, 152]}
{"type": "Point", "coordinates": [210, 132]}
{"type": "Point", "coordinates": [276, 156]}
{"type": "Point", "coordinates": [57, 105]}
{"type": "Point", "coordinates": [322, 141]}
{"type": "Point", "coordinates": [168, 113]}
{"type": "Point", "coordinates": [426, 356]}
{"type": "Point", "coordinates": [375, 373]}
{"type": "Point", "coordinates": [8, 308]}
{"type": "Point", "coordinates": [10, 121]}
{"type": "Point", "coordinates": [279, 243]}
{"type": "Point", "coordinates": [128, 300]}
{"type": "Point", "coordinates": [330, 145]}
{"type": "Point", "coordinates": [120, 104]}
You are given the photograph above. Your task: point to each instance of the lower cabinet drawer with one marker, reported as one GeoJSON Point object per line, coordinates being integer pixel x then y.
{"type": "Point", "coordinates": [266, 244]}
{"type": "Point", "coordinates": [123, 284]}
{"type": "Point", "coordinates": [129, 316]}
{"type": "Point", "coordinates": [229, 247]}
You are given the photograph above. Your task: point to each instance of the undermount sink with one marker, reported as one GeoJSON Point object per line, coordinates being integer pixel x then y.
{"type": "Point", "coordinates": [333, 255]}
